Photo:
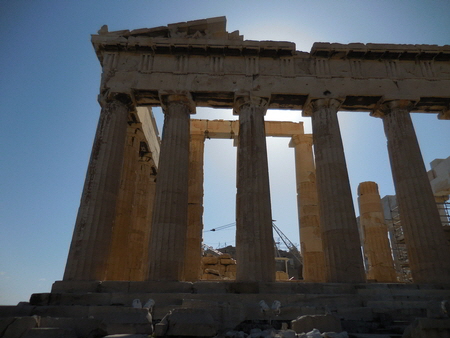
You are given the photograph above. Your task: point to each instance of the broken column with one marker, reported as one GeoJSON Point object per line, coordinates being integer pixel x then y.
{"type": "Point", "coordinates": [93, 228]}
{"type": "Point", "coordinates": [308, 210]}
{"type": "Point", "coordinates": [376, 242]}
{"type": "Point", "coordinates": [169, 223]}
{"type": "Point", "coordinates": [254, 238]}
{"type": "Point", "coordinates": [340, 237]}
{"type": "Point", "coordinates": [422, 227]}
{"type": "Point", "coordinates": [193, 250]}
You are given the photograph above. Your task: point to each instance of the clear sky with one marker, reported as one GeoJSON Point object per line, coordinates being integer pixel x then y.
{"type": "Point", "coordinates": [49, 81]}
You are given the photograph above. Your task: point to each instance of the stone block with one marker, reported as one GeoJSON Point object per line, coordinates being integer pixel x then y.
{"type": "Point", "coordinates": [113, 286]}
{"type": "Point", "coordinates": [210, 276]}
{"type": "Point", "coordinates": [356, 313]}
{"type": "Point", "coordinates": [22, 309]}
{"type": "Point", "coordinates": [40, 299]}
{"type": "Point", "coordinates": [244, 287]}
{"type": "Point", "coordinates": [428, 328]}
{"type": "Point", "coordinates": [191, 322]}
{"type": "Point", "coordinates": [210, 260]}
{"type": "Point", "coordinates": [210, 287]}
{"type": "Point", "coordinates": [20, 325]}
{"type": "Point", "coordinates": [231, 268]}
{"type": "Point", "coordinates": [281, 275]}
{"type": "Point", "coordinates": [77, 311]}
{"type": "Point", "coordinates": [230, 275]}
{"type": "Point", "coordinates": [323, 323]}
{"type": "Point", "coordinates": [160, 287]}
{"type": "Point", "coordinates": [75, 286]}
{"type": "Point", "coordinates": [83, 327]}
{"type": "Point", "coordinates": [119, 319]}
{"type": "Point", "coordinates": [4, 323]}
{"type": "Point", "coordinates": [227, 261]}
{"type": "Point", "coordinates": [127, 336]}
{"type": "Point", "coordinates": [50, 332]}
{"type": "Point", "coordinates": [90, 299]}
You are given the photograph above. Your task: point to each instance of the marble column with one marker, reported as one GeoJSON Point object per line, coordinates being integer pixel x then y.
{"type": "Point", "coordinates": [340, 236]}
{"type": "Point", "coordinates": [193, 251]}
{"type": "Point", "coordinates": [376, 242]}
{"type": "Point", "coordinates": [119, 251]}
{"type": "Point", "coordinates": [142, 211]}
{"type": "Point", "coordinates": [169, 223]}
{"type": "Point", "coordinates": [428, 250]}
{"type": "Point", "coordinates": [254, 238]}
{"type": "Point", "coordinates": [91, 239]}
{"type": "Point", "coordinates": [308, 210]}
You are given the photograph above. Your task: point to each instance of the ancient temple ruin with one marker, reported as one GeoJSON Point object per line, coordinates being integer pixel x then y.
{"type": "Point", "coordinates": [182, 66]}
{"type": "Point", "coordinates": [138, 229]}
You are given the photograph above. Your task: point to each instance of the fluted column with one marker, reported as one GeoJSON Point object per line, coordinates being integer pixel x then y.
{"type": "Point", "coordinates": [254, 238]}
{"type": "Point", "coordinates": [169, 223]}
{"type": "Point", "coordinates": [308, 210]}
{"type": "Point", "coordinates": [193, 251]}
{"type": "Point", "coordinates": [119, 251]}
{"type": "Point", "coordinates": [428, 250]}
{"type": "Point", "coordinates": [340, 236]}
{"type": "Point", "coordinates": [376, 242]}
{"type": "Point", "coordinates": [141, 215]}
{"type": "Point", "coordinates": [92, 235]}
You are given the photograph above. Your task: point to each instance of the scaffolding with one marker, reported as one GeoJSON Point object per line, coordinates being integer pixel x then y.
{"type": "Point", "coordinates": [397, 238]}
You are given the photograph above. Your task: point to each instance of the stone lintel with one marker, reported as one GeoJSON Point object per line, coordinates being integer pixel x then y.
{"type": "Point", "coordinates": [223, 129]}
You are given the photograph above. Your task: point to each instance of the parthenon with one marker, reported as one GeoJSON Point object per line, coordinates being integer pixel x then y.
{"type": "Point", "coordinates": [182, 66]}
{"type": "Point", "coordinates": [140, 215]}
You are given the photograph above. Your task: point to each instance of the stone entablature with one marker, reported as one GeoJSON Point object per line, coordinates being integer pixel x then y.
{"type": "Point", "coordinates": [215, 64]}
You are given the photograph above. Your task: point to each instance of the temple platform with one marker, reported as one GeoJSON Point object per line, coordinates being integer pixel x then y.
{"type": "Point", "coordinates": [361, 308]}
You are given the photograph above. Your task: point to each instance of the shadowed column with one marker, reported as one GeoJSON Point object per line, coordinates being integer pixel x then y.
{"type": "Point", "coordinates": [340, 236]}
{"type": "Point", "coordinates": [254, 238]}
{"type": "Point", "coordinates": [118, 257]}
{"type": "Point", "coordinates": [193, 251]}
{"type": "Point", "coordinates": [142, 211]}
{"type": "Point", "coordinates": [92, 235]}
{"type": "Point", "coordinates": [169, 223]}
{"type": "Point", "coordinates": [308, 210]}
{"type": "Point", "coordinates": [376, 241]}
{"type": "Point", "coordinates": [428, 250]}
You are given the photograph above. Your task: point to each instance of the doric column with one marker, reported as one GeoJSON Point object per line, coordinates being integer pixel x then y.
{"type": "Point", "coordinates": [376, 242]}
{"type": "Point", "coordinates": [193, 251]}
{"type": "Point", "coordinates": [308, 210]}
{"type": "Point", "coordinates": [142, 211]}
{"type": "Point", "coordinates": [92, 235]}
{"type": "Point", "coordinates": [119, 251]}
{"type": "Point", "coordinates": [340, 236]}
{"type": "Point", "coordinates": [428, 250]}
{"type": "Point", "coordinates": [254, 238]}
{"type": "Point", "coordinates": [169, 223]}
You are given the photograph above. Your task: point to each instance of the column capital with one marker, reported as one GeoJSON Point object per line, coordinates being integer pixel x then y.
{"type": "Point", "coordinates": [167, 97]}
{"type": "Point", "coordinates": [314, 105]}
{"type": "Point", "coordinates": [126, 99]}
{"type": "Point", "coordinates": [387, 106]}
{"type": "Point", "coordinates": [250, 98]}
{"type": "Point", "coordinates": [299, 139]}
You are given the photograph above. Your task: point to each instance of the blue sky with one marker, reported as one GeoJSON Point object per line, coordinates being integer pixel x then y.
{"type": "Point", "coordinates": [49, 82]}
